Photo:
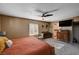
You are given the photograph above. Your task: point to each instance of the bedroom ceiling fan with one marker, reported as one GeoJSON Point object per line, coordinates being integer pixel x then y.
{"type": "Point", "coordinates": [47, 13]}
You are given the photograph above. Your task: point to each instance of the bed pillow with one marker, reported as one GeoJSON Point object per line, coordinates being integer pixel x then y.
{"type": "Point", "coordinates": [9, 43]}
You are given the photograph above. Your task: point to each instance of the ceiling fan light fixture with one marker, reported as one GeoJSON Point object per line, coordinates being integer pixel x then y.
{"type": "Point", "coordinates": [46, 14]}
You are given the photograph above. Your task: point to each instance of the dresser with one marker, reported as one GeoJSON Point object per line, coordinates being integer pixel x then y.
{"type": "Point", "coordinates": [63, 35]}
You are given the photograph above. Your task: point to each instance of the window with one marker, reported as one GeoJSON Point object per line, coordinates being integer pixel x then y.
{"type": "Point", "coordinates": [33, 29]}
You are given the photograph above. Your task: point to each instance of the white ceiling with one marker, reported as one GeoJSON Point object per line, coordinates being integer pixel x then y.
{"type": "Point", "coordinates": [28, 10]}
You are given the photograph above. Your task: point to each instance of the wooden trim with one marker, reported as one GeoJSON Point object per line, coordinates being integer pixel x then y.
{"type": "Point", "coordinates": [23, 18]}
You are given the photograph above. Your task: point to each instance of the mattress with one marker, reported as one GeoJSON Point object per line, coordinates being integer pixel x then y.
{"type": "Point", "coordinates": [29, 46]}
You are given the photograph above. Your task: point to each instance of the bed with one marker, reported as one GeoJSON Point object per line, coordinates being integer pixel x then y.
{"type": "Point", "coordinates": [29, 46]}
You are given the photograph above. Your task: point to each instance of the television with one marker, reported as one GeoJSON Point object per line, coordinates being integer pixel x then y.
{"type": "Point", "coordinates": [65, 23]}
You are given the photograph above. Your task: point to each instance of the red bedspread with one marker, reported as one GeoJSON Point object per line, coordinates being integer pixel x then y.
{"type": "Point", "coordinates": [29, 46]}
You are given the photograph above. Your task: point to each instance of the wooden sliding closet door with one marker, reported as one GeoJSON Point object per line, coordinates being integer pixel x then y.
{"type": "Point", "coordinates": [0, 23]}
{"type": "Point", "coordinates": [14, 27]}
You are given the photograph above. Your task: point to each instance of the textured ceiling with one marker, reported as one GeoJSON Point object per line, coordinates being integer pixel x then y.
{"type": "Point", "coordinates": [28, 10]}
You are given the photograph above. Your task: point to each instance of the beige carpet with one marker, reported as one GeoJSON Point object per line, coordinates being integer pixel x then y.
{"type": "Point", "coordinates": [62, 48]}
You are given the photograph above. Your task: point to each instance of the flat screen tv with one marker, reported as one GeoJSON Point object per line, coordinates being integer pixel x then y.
{"type": "Point", "coordinates": [65, 23]}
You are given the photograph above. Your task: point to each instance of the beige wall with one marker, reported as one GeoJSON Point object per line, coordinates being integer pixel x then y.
{"type": "Point", "coordinates": [19, 27]}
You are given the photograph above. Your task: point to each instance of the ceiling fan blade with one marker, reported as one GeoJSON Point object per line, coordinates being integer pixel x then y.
{"type": "Point", "coordinates": [40, 11]}
{"type": "Point", "coordinates": [48, 15]}
{"type": "Point", "coordinates": [51, 11]}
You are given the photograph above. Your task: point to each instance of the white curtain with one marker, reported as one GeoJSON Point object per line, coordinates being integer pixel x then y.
{"type": "Point", "coordinates": [33, 29]}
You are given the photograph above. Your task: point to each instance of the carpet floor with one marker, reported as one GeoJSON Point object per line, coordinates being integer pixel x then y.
{"type": "Point", "coordinates": [62, 48]}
